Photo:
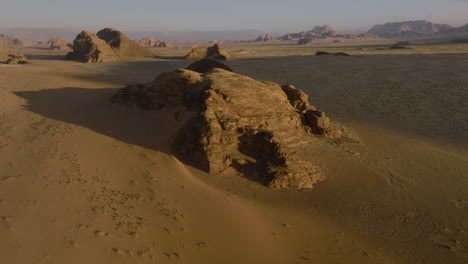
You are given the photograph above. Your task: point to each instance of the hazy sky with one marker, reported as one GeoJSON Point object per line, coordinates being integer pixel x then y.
{"type": "Point", "coordinates": [267, 15]}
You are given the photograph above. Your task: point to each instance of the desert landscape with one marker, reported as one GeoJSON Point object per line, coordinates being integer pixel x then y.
{"type": "Point", "coordinates": [307, 147]}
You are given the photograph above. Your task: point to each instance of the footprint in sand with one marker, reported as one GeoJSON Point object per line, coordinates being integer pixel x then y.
{"type": "Point", "coordinates": [459, 203]}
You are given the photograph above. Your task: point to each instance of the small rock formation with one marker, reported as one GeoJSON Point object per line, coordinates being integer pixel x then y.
{"type": "Point", "coordinates": [259, 128]}
{"type": "Point", "coordinates": [304, 41]}
{"type": "Point", "coordinates": [108, 45]}
{"type": "Point", "coordinates": [151, 42]}
{"type": "Point", "coordinates": [17, 59]}
{"type": "Point", "coordinates": [321, 53]}
{"type": "Point", "coordinates": [10, 51]}
{"type": "Point", "coordinates": [206, 65]}
{"type": "Point", "coordinates": [59, 44]}
{"type": "Point", "coordinates": [336, 41]}
{"type": "Point", "coordinates": [267, 37]}
{"type": "Point", "coordinates": [147, 42]}
{"type": "Point", "coordinates": [215, 52]}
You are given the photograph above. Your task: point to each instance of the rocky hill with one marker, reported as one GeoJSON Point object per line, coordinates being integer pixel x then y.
{"type": "Point", "coordinates": [231, 122]}
{"type": "Point", "coordinates": [407, 28]}
{"type": "Point", "coordinates": [107, 45]}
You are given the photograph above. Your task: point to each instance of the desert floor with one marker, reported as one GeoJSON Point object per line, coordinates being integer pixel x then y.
{"type": "Point", "coordinates": [86, 181]}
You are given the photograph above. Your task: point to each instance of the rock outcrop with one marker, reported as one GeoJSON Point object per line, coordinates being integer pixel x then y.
{"type": "Point", "coordinates": [407, 29]}
{"type": "Point", "coordinates": [215, 52]}
{"type": "Point", "coordinates": [259, 128]}
{"type": "Point", "coordinates": [107, 45]}
{"type": "Point", "coordinates": [151, 42]}
{"type": "Point", "coordinates": [59, 44]}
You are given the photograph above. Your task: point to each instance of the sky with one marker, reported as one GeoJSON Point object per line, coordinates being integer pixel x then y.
{"type": "Point", "coordinates": [216, 15]}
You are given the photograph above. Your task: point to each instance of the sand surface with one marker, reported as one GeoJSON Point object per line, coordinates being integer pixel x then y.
{"type": "Point", "coordinates": [85, 181]}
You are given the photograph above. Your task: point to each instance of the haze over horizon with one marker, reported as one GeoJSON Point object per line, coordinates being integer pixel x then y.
{"type": "Point", "coordinates": [210, 15]}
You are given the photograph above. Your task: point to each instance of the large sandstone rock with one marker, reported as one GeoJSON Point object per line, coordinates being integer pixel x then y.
{"type": "Point", "coordinates": [11, 51]}
{"type": "Point", "coordinates": [59, 44]}
{"type": "Point", "coordinates": [108, 45]}
{"type": "Point", "coordinates": [267, 37]}
{"type": "Point", "coordinates": [215, 52]}
{"type": "Point", "coordinates": [259, 128]}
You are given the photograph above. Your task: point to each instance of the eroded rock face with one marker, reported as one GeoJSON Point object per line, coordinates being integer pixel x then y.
{"type": "Point", "coordinates": [108, 45]}
{"type": "Point", "coordinates": [216, 52]}
{"type": "Point", "coordinates": [151, 42]}
{"type": "Point", "coordinates": [59, 44]}
{"type": "Point", "coordinates": [259, 128]}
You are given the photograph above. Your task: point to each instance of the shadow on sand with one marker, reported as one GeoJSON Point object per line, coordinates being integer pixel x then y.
{"type": "Point", "coordinates": [92, 109]}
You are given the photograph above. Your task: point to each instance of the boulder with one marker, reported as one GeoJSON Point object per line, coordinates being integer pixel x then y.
{"type": "Point", "coordinates": [215, 52]}
{"type": "Point", "coordinates": [59, 44]}
{"type": "Point", "coordinates": [206, 65]}
{"type": "Point", "coordinates": [259, 128]}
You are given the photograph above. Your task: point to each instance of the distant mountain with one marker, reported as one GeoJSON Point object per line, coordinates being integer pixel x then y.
{"type": "Point", "coordinates": [319, 32]}
{"type": "Point", "coordinates": [407, 28]}
{"type": "Point", "coordinates": [458, 29]}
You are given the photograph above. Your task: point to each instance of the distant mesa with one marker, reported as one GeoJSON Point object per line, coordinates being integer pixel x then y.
{"type": "Point", "coordinates": [305, 41]}
{"type": "Point", "coordinates": [215, 52]}
{"type": "Point", "coordinates": [151, 42]}
{"type": "Point", "coordinates": [106, 46]}
{"type": "Point", "coordinates": [322, 53]}
{"type": "Point", "coordinates": [407, 29]}
{"type": "Point", "coordinates": [320, 32]}
{"type": "Point", "coordinates": [206, 65]}
{"type": "Point", "coordinates": [267, 37]}
{"type": "Point", "coordinates": [59, 44]}
{"type": "Point", "coordinates": [258, 128]}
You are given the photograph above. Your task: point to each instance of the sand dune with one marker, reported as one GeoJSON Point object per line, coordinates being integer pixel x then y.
{"type": "Point", "coordinates": [86, 181]}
